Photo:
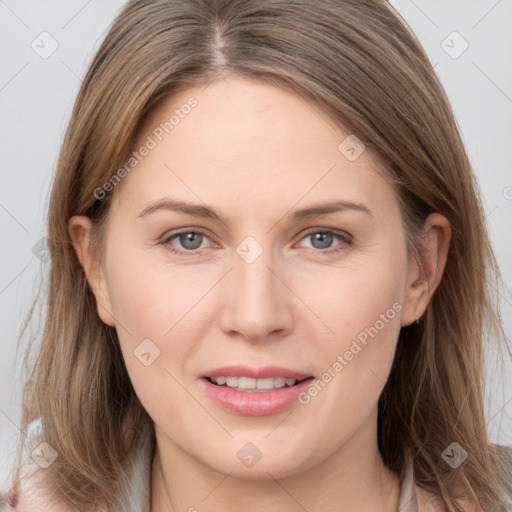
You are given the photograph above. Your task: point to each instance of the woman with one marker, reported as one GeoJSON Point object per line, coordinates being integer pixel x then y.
{"type": "Point", "coordinates": [269, 281]}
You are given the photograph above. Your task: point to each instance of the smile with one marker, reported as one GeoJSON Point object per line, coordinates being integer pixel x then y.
{"type": "Point", "coordinates": [253, 385]}
{"type": "Point", "coordinates": [250, 391]}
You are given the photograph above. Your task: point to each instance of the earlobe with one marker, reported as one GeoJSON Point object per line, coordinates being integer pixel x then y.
{"type": "Point", "coordinates": [80, 228]}
{"type": "Point", "coordinates": [425, 271]}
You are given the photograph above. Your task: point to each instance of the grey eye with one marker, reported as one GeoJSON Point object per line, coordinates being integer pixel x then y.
{"type": "Point", "coordinates": [190, 240]}
{"type": "Point", "coordinates": [321, 239]}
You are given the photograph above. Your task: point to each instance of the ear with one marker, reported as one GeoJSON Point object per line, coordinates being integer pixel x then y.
{"type": "Point", "coordinates": [426, 271]}
{"type": "Point", "coordinates": [79, 228]}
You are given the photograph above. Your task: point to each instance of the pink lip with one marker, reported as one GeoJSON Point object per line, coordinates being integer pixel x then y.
{"type": "Point", "coordinates": [256, 373]}
{"type": "Point", "coordinates": [256, 403]}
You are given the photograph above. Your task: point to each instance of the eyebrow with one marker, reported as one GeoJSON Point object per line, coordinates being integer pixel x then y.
{"type": "Point", "coordinates": [198, 210]}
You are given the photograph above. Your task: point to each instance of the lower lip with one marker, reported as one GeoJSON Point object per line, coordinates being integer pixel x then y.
{"type": "Point", "coordinates": [259, 403]}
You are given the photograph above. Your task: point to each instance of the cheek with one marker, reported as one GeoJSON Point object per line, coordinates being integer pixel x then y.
{"type": "Point", "coordinates": [151, 307]}
{"type": "Point", "coordinates": [366, 324]}
{"type": "Point", "coordinates": [149, 298]}
{"type": "Point", "coordinates": [351, 298]}
{"type": "Point", "coordinates": [359, 312]}
{"type": "Point", "coordinates": [155, 338]}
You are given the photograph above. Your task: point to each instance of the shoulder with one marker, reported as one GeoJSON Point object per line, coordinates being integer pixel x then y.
{"type": "Point", "coordinates": [33, 491]}
{"type": "Point", "coordinates": [31, 494]}
{"type": "Point", "coordinates": [30, 491]}
{"type": "Point", "coordinates": [428, 502]}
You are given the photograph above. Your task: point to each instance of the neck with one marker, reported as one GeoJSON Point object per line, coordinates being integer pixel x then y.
{"type": "Point", "coordinates": [352, 479]}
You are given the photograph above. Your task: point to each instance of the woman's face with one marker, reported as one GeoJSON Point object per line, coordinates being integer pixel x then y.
{"type": "Point", "coordinates": [298, 269]}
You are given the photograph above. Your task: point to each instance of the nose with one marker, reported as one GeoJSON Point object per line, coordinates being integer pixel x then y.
{"type": "Point", "coordinates": [257, 304]}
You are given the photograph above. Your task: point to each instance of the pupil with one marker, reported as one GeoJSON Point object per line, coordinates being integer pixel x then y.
{"type": "Point", "coordinates": [325, 240]}
{"type": "Point", "coordinates": [191, 240]}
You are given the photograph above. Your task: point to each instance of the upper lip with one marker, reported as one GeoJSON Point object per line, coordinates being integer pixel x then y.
{"type": "Point", "coordinates": [257, 373]}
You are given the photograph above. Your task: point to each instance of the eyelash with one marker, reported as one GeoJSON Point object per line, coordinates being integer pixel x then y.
{"type": "Point", "coordinates": [346, 239]}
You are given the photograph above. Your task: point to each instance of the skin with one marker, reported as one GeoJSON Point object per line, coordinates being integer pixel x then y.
{"type": "Point", "coordinates": [257, 153]}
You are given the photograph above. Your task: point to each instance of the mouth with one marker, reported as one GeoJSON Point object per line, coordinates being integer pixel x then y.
{"type": "Point", "coordinates": [254, 385]}
{"type": "Point", "coordinates": [247, 391]}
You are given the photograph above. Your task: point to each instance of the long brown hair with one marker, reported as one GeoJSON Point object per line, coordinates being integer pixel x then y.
{"type": "Point", "coordinates": [358, 62]}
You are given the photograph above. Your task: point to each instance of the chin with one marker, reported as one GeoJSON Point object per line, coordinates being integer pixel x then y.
{"type": "Point", "coordinates": [260, 460]}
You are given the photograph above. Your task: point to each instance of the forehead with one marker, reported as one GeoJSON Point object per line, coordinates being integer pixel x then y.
{"type": "Point", "coordinates": [239, 139]}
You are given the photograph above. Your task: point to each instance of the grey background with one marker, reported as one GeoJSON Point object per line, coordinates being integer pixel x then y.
{"type": "Point", "coordinates": [37, 94]}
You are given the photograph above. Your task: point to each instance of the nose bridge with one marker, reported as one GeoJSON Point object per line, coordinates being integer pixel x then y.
{"type": "Point", "coordinates": [256, 303]}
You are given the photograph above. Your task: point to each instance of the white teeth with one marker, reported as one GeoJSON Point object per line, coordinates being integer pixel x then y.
{"type": "Point", "coordinates": [279, 382]}
{"type": "Point", "coordinates": [232, 382]}
{"type": "Point", "coordinates": [265, 383]}
{"type": "Point", "coordinates": [252, 384]}
{"type": "Point", "coordinates": [246, 383]}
